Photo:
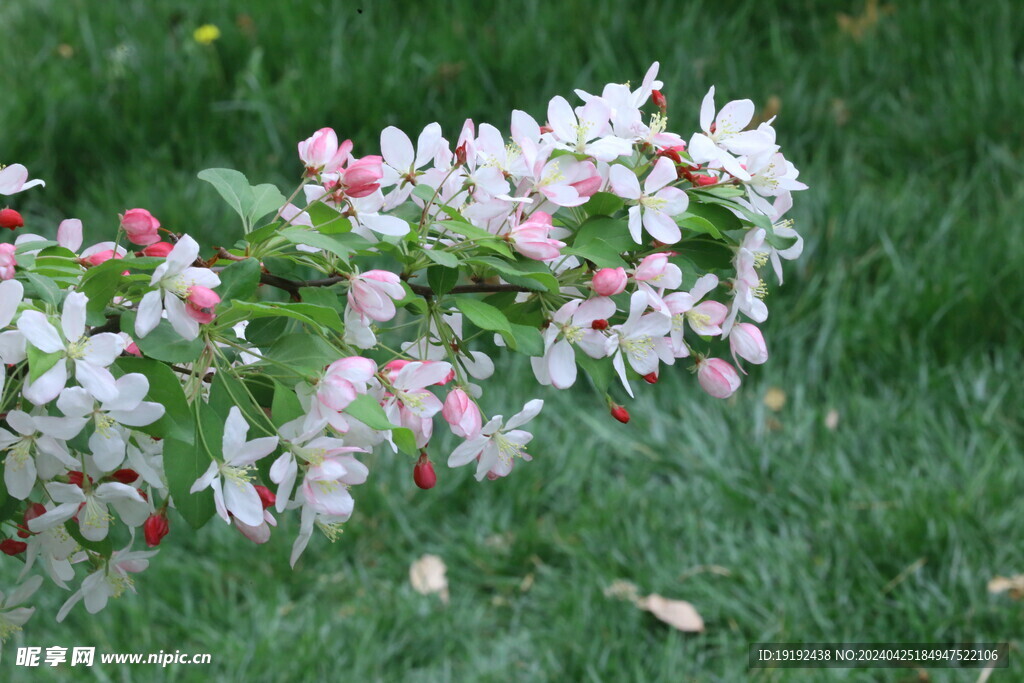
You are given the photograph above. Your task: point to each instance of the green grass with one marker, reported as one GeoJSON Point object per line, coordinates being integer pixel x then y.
{"type": "Point", "coordinates": [904, 316]}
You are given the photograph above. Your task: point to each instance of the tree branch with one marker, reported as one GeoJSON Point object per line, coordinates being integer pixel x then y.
{"type": "Point", "coordinates": [293, 286]}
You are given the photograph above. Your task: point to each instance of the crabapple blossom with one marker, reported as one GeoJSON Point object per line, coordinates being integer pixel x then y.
{"type": "Point", "coordinates": [498, 444]}
{"type": "Point", "coordinates": [173, 281]}
{"type": "Point", "coordinates": [90, 355]}
{"type": "Point", "coordinates": [641, 340]}
{"type": "Point", "coordinates": [321, 151]}
{"type": "Point", "coordinates": [530, 238]}
{"type": "Point", "coordinates": [373, 294]}
{"type": "Point", "coordinates": [656, 203]}
{"type": "Point", "coordinates": [461, 413]}
{"type": "Point", "coordinates": [747, 342]}
{"type": "Point", "coordinates": [90, 507]}
{"type": "Point", "coordinates": [14, 179]}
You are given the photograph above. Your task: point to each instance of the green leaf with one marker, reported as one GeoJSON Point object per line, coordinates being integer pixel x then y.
{"type": "Point", "coordinates": [250, 203]}
{"type": "Point", "coordinates": [304, 353]}
{"type": "Point", "coordinates": [598, 252]}
{"type": "Point", "coordinates": [100, 284]}
{"type": "Point", "coordinates": [728, 220]}
{"type": "Point", "coordinates": [533, 275]}
{"type": "Point", "coordinates": [424, 192]}
{"type": "Point", "coordinates": [310, 314]}
{"type": "Point", "coordinates": [327, 297]}
{"type": "Point", "coordinates": [341, 245]}
{"type": "Point", "coordinates": [326, 219]}
{"type": "Point", "coordinates": [226, 391]}
{"type": "Point", "coordinates": [706, 254]}
{"type": "Point", "coordinates": [286, 406]}
{"type": "Point", "coordinates": [613, 232]}
{"type": "Point", "coordinates": [480, 236]}
{"type": "Point", "coordinates": [366, 409]}
{"type": "Point", "coordinates": [484, 316]}
{"type": "Point", "coordinates": [442, 279]}
{"type": "Point", "coordinates": [239, 281]}
{"type": "Point", "coordinates": [265, 198]}
{"type": "Point", "coordinates": [599, 371]}
{"type": "Point", "coordinates": [719, 216]}
{"type": "Point", "coordinates": [698, 224]}
{"type": "Point", "coordinates": [405, 440]}
{"type": "Point", "coordinates": [44, 287]}
{"type": "Point", "coordinates": [39, 362]}
{"type": "Point", "coordinates": [163, 343]}
{"type": "Point", "coordinates": [184, 462]}
{"type": "Point", "coordinates": [529, 340]}
{"type": "Point", "coordinates": [442, 258]}
{"type": "Point", "coordinates": [165, 389]}
{"type": "Point", "coordinates": [603, 204]}
{"type": "Point", "coordinates": [33, 245]}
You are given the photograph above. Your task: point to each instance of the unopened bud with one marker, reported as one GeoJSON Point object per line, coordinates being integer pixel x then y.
{"type": "Point", "coordinates": [599, 324]}
{"type": "Point", "coordinates": [9, 546]}
{"type": "Point", "coordinates": [659, 100]}
{"type": "Point", "coordinates": [423, 473]}
{"type": "Point", "coordinates": [620, 413]}
{"type": "Point", "coordinates": [160, 249]}
{"type": "Point", "coordinates": [9, 218]}
{"type": "Point", "coordinates": [125, 476]}
{"type": "Point", "coordinates": [155, 528]}
{"type": "Point", "coordinates": [460, 155]}
{"type": "Point", "coordinates": [651, 378]}
{"type": "Point", "coordinates": [267, 497]}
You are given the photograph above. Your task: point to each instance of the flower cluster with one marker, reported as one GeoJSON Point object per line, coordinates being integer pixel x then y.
{"type": "Point", "coordinates": [148, 375]}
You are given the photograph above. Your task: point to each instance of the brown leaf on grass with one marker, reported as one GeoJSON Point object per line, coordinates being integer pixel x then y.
{"type": "Point", "coordinates": [856, 26]}
{"type": "Point", "coordinates": [1014, 585]}
{"type": "Point", "coordinates": [774, 399]}
{"type": "Point", "coordinates": [428, 576]}
{"type": "Point", "coordinates": [678, 614]}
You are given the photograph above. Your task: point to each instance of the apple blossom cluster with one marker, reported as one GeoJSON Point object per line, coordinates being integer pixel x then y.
{"type": "Point", "coordinates": [149, 379]}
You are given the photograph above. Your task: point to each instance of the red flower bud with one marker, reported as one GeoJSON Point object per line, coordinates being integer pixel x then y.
{"type": "Point", "coordinates": [460, 155]}
{"type": "Point", "coordinates": [423, 473]}
{"type": "Point", "coordinates": [31, 512]}
{"type": "Point", "coordinates": [75, 477]}
{"type": "Point", "coordinates": [9, 218]}
{"type": "Point", "coordinates": [659, 100]}
{"type": "Point", "coordinates": [702, 180]}
{"type": "Point", "coordinates": [620, 413]}
{"type": "Point", "coordinates": [651, 378]}
{"type": "Point", "coordinates": [599, 324]}
{"type": "Point", "coordinates": [125, 476]}
{"type": "Point", "coordinates": [155, 528]}
{"type": "Point", "coordinates": [267, 497]}
{"type": "Point", "coordinates": [9, 546]}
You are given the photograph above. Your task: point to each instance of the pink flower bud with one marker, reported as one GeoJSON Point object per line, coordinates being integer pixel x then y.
{"type": "Point", "coordinates": [362, 177]}
{"type": "Point", "coordinates": [9, 218]}
{"type": "Point", "coordinates": [609, 281]}
{"type": "Point", "coordinates": [257, 534]}
{"type": "Point", "coordinates": [99, 257]}
{"type": "Point", "coordinates": [747, 342]}
{"type": "Point", "coordinates": [155, 528]}
{"type": "Point", "coordinates": [7, 261]}
{"type": "Point", "coordinates": [159, 249]}
{"type": "Point", "coordinates": [462, 414]}
{"type": "Point", "coordinates": [717, 377]}
{"type": "Point", "coordinates": [321, 151]}
{"type": "Point", "coordinates": [134, 349]}
{"type": "Point", "coordinates": [423, 473]}
{"type": "Point", "coordinates": [140, 226]}
{"type": "Point", "coordinates": [201, 302]}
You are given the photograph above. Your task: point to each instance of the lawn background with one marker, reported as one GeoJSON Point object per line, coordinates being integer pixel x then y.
{"type": "Point", "coordinates": [903, 316]}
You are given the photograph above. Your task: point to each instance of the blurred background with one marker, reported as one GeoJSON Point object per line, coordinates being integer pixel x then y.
{"type": "Point", "coordinates": [865, 485]}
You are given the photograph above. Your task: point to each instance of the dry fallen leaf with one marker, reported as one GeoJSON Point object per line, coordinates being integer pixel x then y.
{"type": "Point", "coordinates": [678, 614]}
{"type": "Point", "coordinates": [427, 576]}
{"type": "Point", "coordinates": [775, 399]}
{"type": "Point", "coordinates": [1014, 585]}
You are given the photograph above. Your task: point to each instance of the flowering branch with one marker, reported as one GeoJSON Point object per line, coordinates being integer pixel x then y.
{"type": "Point", "coordinates": [599, 242]}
